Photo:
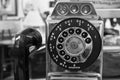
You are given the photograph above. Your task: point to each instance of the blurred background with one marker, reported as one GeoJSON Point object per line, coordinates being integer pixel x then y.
{"type": "Point", "coordinates": [17, 15]}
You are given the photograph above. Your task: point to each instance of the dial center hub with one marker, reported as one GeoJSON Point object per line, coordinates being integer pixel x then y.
{"type": "Point", "coordinates": [74, 46]}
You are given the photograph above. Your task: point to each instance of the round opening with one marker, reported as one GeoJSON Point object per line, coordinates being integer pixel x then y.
{"type": "Point", "coordinates": [74, 9]}
{"type": "Point", "coordinates": [86, 9]}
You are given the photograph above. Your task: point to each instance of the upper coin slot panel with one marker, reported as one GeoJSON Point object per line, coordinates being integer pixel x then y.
{"type": "Point", "coordinates": [63, 9]}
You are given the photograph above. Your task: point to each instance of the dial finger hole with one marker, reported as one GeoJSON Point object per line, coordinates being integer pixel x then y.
{"type": "Point", "coordinates": [71, 31]}
{"type": "Point", "coordinates": [64, 34]}
{"type": "Point", "coordinates": [84, 34]}
{"type": "Point", "coordinates": [62, 52]}
{"type": "Point", "coordinates": [88, 40]}
{"type": "Point", "coordinates": [59, 46]}
{"type": "Point", "coordinates": [67, 57]}
{"type": "Point", "coordinates": [78, 31]}
{"type": "Point", "coordinates": [60, 39]}
{"type": "Point", "coordinates": [73, 59]}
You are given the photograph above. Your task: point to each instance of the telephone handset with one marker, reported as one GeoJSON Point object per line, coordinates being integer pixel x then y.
{"type": "Point", "coordinates": [74, 44]}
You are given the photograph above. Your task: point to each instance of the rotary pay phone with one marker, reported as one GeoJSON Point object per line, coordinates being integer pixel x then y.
{"type": "Point", "coordinates": [74, 42]}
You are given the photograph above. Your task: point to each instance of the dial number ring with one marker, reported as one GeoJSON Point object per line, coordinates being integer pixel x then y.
{"type": "Point", "coordinates": [90, 52]}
